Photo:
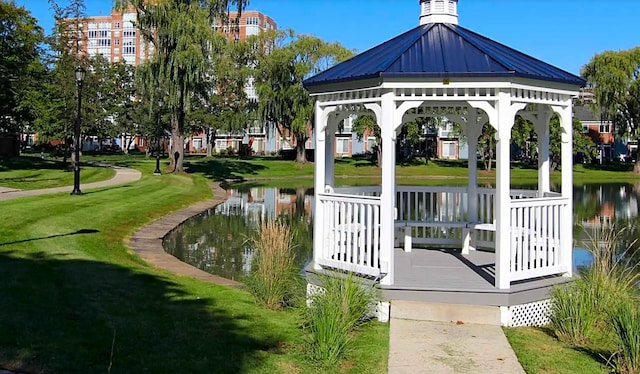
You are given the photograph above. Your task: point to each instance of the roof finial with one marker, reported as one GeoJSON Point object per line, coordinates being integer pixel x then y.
{"type": "Point", "coordinates": [439, 11]}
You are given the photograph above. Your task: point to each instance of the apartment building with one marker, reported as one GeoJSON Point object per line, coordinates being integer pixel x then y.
{"type": "Point", "coordinates": [116, 37]}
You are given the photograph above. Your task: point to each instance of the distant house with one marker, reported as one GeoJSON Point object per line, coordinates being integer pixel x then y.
{"type": "Point", "coordinates": [602, 132]}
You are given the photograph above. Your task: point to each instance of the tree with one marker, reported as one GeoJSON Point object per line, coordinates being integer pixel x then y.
{"type": "Point", "coordinates": [20, 66]}
{"type": "Point", "coordinates": [282, 99]}
{"type": "Point", "coordinates": [181, 35]}
{"type": "Point", "coordinates": [581, 143]}
{"type": "Point", "coordinates": [223, 103]}
{"type": "Point", "coordinates": [614, 76]}
{"type": "Point", "coordinates": [367, 125]}
{"type": "Point", "coordinates": [56, 104]}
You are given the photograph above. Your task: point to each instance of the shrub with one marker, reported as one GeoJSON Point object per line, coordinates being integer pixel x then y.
{"type": "Point", "coordinates": [334, 314]}
{"type": "Point", "coordinates": [625, 323]}
{"type": "Point", "coordinates": [274, 276]}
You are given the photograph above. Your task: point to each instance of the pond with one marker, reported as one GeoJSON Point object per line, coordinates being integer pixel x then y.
{"type": "Point", "coordinates": [216, 241]}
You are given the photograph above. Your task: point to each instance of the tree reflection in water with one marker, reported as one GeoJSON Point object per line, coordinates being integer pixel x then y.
{"type": "Point", "coordinates": [217, 241]}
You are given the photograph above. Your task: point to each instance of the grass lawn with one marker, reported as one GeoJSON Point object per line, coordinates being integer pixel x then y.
{"type": "Point", "coordinates": [32, 173]}
{"type": "Point", "coordinates": [73, 298]}
{"type": "Point", "coordinates": [539, 352]}
{"type": "Point", "coordinates": [455, 172]}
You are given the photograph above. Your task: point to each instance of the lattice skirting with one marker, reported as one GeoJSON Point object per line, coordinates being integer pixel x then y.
{"type": "Point", "coordinates": [530, 314]}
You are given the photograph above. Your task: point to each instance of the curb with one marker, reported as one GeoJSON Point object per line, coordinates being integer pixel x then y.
{"type": "Point", "coordinates": [147, 241]}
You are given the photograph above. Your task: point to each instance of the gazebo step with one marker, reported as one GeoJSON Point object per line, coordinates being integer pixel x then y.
{"type": "Point", "coordinates": [464, 313]}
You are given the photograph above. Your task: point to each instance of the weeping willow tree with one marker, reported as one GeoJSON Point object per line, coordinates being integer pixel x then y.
{"type": "Point", "coordinates": [180, 32]}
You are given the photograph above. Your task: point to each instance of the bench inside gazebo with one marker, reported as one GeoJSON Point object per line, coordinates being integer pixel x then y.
{"type": "Point", "coordinates": [499, 247]}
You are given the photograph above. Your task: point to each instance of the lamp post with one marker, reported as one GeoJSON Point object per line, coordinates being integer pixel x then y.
{"type": "Point", "coordinates": [158, 136]}
{"type": "Point", "coordinates": [80, 73]}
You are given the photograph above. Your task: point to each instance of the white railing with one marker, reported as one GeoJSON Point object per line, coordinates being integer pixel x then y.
{"type": "Point", "coordinates": [535, 237]}
{"type": "Point", "coordinates": [351, 238]}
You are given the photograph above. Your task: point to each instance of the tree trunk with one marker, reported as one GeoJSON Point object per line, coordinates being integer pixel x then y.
{"type": "Point", "coordinates": [301, 155]}
{"type": "Point", "coordinates": [209, 142]}
{"type": "Point", "coordinates": [636, 166]}
{"type": "Point", "coordinates": [177, 145]}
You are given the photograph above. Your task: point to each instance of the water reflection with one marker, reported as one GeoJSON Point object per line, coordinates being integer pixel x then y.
{"type": "Point", "coordinates": [216, 241]}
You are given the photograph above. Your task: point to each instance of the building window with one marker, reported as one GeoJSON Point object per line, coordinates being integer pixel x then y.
{"type": "Point", "coordinates": [129, 50]}
{"type": "Point", "coordinates": [342, 145]}
{"type": "Point", "coordinates": [371, 143]}
{"type": "Point", "coordinates": [116, 41]}
{"type": "Point", "coordinates": [116, 25]}
{"type": "Point", "coordinates": [197, 144]}
{"type": "Point", "coordinates": [585, 128]}
{"type": "Point", "coordinates": [605, 127]}
{"type": "Point", "coordinates": [449, 149]}
{"type": "Point", "coordinates": [253, 21]}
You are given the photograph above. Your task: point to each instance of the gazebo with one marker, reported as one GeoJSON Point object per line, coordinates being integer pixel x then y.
{"type": "Point", "coordinates": [500, 247]}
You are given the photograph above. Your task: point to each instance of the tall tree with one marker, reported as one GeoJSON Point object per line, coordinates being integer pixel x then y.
{"type": "Point", "coordinates": [222, 105]}
{"type": "Point", "coordinates": [180, 32]}
{"type": "Point", "coordinates": [20, 66]}
{"type": "Point", "coordinates": [614, 76]}
{"type": "Point", "coordinates": [282, 99]}
{"type": "Point", "coordinates": [56, 106]}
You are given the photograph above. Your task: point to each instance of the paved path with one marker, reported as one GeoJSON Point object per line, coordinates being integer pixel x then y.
{"type": "Point", "coordinates": [446, 347]}
{"type": "Point", "coordinates": [123, 175]}
{"type": "Point", "coordinates": [147, 242]}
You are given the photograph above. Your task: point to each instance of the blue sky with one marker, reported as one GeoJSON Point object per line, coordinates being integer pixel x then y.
{"type": "Point", "coordinates": [564, 33]}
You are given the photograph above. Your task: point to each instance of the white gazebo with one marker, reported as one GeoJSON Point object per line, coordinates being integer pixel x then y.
{"type": "Point", "coordinates": [499, 247]}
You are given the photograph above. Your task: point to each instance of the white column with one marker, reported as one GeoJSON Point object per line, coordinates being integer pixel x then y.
{"type": "Point", "coordinates": [387, 195]}
{"type": "Point", "coordinates": [566, 223]}
{"type": "Point", "coordinates": [506, 115]}
{"type": "Point", "coordinates": [472, 130]}
{"type": "Point", "coordinates": [319, 183]}
{"type": "Point", "coordinates": [542, 131]}
{"type": "Point", "coordinates": [502, 198]}
{"type": "Point", "coordinates": [329, 159]}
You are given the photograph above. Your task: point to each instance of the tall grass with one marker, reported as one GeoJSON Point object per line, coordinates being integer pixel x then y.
{"type": "Point", "coordinates": [625, 322]}
{"type": "Point", "coordinates": [573, 317]}
{"type": "Point", "coordinates": [274, 278]}
{"type": "Point", "coordinates": [603, 300]}
{"type": "Point", "coordinates": [334, 314]}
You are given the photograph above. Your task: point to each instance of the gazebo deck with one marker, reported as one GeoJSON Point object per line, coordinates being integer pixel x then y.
{"type": "Point", "coordinates": [447, 276]}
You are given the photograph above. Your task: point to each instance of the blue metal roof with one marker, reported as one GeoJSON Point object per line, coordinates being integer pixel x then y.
{"type": "Point", "coordinates": [442, 50]}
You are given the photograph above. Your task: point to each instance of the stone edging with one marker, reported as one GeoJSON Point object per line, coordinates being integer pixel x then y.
{"type": "Point", "coordinates": [147, 242]}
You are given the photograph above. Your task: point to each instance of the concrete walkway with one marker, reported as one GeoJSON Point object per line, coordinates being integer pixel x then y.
{"type": "Point", "coordinates": [449, 347]}
{"type": "Point", "coordinates": [123, 175]}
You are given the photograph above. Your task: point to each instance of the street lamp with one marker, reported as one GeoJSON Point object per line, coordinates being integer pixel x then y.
{"type": "Point", "coordinates": [80, 73]}
{"type": "Point", "coordinates": [158, 136]}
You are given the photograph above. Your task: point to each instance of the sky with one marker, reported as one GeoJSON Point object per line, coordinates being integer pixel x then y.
{"type": "Point", "coordinates": [564, 33]}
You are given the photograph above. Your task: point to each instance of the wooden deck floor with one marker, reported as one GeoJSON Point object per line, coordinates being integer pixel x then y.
{"type": "Point", "coordinates": [445, 275]}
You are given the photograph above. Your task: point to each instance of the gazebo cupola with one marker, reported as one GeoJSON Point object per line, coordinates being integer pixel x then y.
{"type": "Point", "coordinates": [442, 70]}
{"type": "Point", "coordinates": [439, 11]}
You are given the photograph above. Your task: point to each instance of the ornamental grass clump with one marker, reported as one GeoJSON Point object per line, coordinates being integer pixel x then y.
{"type": "Point", "coordinates": [274, 278]}
{"type": "Point", "coordinates": [625, 323]}
{"type": "Point", "coordinates": [334, 314]}
{"type": "Point", "coordinates": [573, 317]}
{"type": "Point", "coordinates": [586, 308]}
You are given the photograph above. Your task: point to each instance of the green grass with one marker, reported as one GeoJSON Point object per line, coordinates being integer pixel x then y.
{"type": "Point", "coordinates": [31, 173]}
{"type": "Point", "coordinates": [74, 299]}
{"type": "Point", "coordinates": [541, 353]}
{"type": "Point", "coordinates": [361, 171]}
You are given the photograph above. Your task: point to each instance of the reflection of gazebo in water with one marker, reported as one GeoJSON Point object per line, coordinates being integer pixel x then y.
{"type": "Point", "coordinates": [442, 69]}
